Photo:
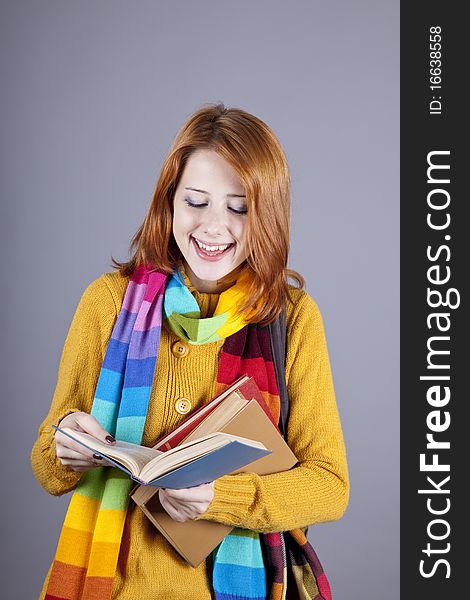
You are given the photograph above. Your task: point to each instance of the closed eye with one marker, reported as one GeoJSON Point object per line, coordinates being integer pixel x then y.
{"type": "Point", "coordinates": [243, 211]}
{"type": "Point", "coordinates": [189, 202]}
{"type": "Point", "coordinates": [193, 204]}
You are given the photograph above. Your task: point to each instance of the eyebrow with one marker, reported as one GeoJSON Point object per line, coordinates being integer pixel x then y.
{"type": "Point", "coordinates": [208, 193]}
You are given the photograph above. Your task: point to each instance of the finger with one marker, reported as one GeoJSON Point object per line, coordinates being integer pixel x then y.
{"type": "Point", "coordinates": [68, 447]}
{"type": "Point", "coordinates": [74, 463]}
{"type": "Point", "coordinates": [168, 506]}
{"type": "Point", "coordinates": [177, 511]}
{"type": "Point", "coordinates": [68, 457]}
{"type": "Point", "coordinates": [200, 493]}
{"type": "Point", "coordinates": [181, 511]}
{"type": "Point", "coordinates": [72, 449]}
{"type": "Point", "coordinates": [91, 425]}
{"type": "Point", "coordinates": [185, 494]}
{"type": "Point", "coordinates": [191, 508]}
{"type": "Point", "coordinates": [68, 453]}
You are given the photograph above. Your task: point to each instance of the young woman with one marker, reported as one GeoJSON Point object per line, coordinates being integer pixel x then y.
{"type": "Point", "coordinates": [162, 334]}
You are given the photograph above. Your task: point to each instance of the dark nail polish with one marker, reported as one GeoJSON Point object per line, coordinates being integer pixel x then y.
{"type": "Point", "coordinates": [97, 457]}
{"type": "Point", "coordinates": [110, 439]}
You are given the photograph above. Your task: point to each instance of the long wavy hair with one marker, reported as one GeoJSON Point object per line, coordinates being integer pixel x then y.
{"type": "Point", "coordinates": [255, 153]}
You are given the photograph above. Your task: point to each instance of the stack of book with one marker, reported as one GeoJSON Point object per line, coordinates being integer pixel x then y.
{"type": "Point", "coordinates": [240, 413]}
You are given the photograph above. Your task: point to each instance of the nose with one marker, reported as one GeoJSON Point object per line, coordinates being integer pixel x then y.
{"type": "Point", "coordinates": [213, 224]}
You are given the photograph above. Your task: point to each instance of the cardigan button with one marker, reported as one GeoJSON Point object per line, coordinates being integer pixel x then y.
{"type": "Point", "coordinates": [183, 406]}
{"type": "Point", "coordinates": [179, 349]}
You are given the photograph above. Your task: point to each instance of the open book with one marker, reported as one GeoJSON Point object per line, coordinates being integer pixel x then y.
{"type": "Point", "coordinates": [193, 463]}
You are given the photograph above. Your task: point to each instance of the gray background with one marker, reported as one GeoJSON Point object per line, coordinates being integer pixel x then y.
{"type": "Point", "coordinates": [93, 93]}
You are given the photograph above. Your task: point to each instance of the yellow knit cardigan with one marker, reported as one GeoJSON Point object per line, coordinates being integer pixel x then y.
{"type": "Point", "coordinates": [314, 491]}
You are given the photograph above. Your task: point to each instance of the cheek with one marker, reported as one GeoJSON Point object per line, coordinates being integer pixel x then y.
{"type": "Point", "coordinates": [182, 222]}
{"type": "Point", "coordinates": [240, 232]}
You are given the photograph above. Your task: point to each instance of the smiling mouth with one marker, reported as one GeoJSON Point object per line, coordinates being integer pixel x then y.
{"type": "Point", "coordinates": [211, 249]}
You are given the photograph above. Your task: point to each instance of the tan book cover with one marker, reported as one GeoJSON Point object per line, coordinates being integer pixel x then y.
{"type": "Point", "coordinates": [194, 540]}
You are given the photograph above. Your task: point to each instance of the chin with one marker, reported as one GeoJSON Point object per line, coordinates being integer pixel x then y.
{"type": "Point", "coordinates": [210, 272]}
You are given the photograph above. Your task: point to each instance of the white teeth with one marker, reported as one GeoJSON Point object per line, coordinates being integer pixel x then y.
{"type": "Point", "coordinates": [211, 248]}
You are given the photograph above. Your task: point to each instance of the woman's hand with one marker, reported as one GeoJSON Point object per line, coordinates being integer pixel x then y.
{"type": "Point", "coordinates": [74, 455]}
{"type": "Point", "coordinates": [188, 503]}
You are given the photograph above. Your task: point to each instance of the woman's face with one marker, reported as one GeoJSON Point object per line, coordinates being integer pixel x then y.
{"type": "Point", "coordinates": [209, 219]}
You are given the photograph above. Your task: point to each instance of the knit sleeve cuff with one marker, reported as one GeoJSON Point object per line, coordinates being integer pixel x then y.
{"type": "Point", "coordinates": [233, 498]}
{"type": "Point", "coordinates": [55, 477]}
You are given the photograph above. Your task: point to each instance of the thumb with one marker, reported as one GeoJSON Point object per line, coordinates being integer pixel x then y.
{"type": "Point", "coordinates": [91, 425]}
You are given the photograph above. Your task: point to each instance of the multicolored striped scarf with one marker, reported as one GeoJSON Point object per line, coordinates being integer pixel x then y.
{"type": "Point", "coordinates": [87, 553]}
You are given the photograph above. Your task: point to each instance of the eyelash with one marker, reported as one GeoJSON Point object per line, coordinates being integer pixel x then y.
{"type": "Point", "coordinates": [237, 212]}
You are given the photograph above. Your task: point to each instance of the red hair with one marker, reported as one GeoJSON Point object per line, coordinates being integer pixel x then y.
{"type": "Point", "coordinates": [254, 152]}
